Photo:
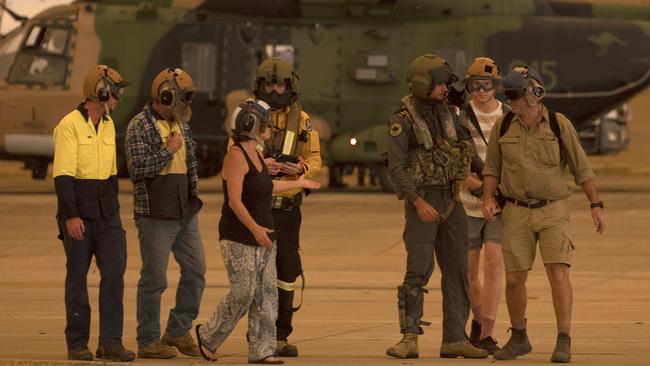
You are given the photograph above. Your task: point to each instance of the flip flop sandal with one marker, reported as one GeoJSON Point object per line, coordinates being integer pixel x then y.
{"type": "Point", "coordinates": [201, 345]}
{"type": "Point", "coordinates": [268, 360]}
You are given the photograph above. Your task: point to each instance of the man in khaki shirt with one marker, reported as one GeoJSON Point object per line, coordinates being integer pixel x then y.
{"type": "Point", "coordinates": [528, 150]}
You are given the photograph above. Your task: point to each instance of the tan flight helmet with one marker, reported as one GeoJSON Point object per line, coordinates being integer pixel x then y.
{"type": "Point", "coordinates": [173, 85]}
{"type": "Point", "coordinates": [426, 72]}
{"type": "Point", "coordinates": [101, 82]}
{"type": "Point", "coordinates": [276, 70]}
{"type": "Point", "coordinates": [482, 68]}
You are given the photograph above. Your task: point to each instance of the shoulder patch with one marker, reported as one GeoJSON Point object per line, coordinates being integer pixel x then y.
{"type": "Point", "coordinates": [401, 113]}
{"type": "Point", "coordinates": [308, 125]}
{"type": "Point", "coordinates": [395, 129]}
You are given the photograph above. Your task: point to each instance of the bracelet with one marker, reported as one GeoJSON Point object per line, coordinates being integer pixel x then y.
{"type": "Point", "coordinates": [598, 204]}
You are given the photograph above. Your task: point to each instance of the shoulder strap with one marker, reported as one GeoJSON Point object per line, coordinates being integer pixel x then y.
{"type": "Point", "coordinates": [248, 159]}
{"type": "Point", "coordinates": [555, 127]}
{"type": "Point", "coordinates": [505, 124]}
{"type": "Point", "coordinates": [472, 117]}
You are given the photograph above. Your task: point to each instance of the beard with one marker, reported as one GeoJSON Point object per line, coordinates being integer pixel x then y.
{"type": "Point", "coordinates": [182, 112]}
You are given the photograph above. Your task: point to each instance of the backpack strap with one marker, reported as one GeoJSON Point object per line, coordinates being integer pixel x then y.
{"type": "Point", "coordinates": [505, 124]}
{"type": "Point", "coordinates": [555, 127]}
{"type": "Point", "coordinates": [472, 118]}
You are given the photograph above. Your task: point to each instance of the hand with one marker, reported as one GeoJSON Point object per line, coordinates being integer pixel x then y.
{"type": "Point", "coordinates": [272, 166]}
{"type": "Point", "coordinates": [261, 235]}
{"type": "Point", "coordinates": [426, 212]}
{"type": "Point", "coordinates": [489, 207]}
{"type": "Point", "coordinates": [599, 219]}
{"type": "Point", "coordinates": [75, 227]}
{"type": "Point", "coordinates": [307, 183]}
{"type": "Point", "coordinates": [292, 169]}
{"type": "Point", "coordinates": [174, 142]}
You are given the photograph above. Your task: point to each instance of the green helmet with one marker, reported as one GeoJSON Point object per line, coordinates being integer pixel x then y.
{"type": "Point", "coordinates": [276, 70]}
{"type": "Point", "coordinates": [426, 72]}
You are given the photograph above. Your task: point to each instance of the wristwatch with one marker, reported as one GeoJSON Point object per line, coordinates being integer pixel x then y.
{"type": "Point", "coordinates": [597, 204]}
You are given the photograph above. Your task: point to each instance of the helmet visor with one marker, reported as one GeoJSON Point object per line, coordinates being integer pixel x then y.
{"type": "Point", "coordinates": [485, 85]}
{"type": "Point", "coordinates": [514, 94]}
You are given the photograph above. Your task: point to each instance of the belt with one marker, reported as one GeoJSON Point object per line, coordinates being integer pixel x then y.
{"type": "Point", "coordinates": [538, 204]}
{"type": "Point", "coordinates": [286, 203]}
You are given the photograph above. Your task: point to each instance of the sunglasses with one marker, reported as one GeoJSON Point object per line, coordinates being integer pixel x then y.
{"type": "Point", "coordinates": [187, 97]}
{"type": "Point", "coordinates": [514, 94]}
{"type": "Point", "coordinates": [484, 85]}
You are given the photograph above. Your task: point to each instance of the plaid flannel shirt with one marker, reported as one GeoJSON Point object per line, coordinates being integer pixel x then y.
{"type": "Point", "coordinates": [146, 156]}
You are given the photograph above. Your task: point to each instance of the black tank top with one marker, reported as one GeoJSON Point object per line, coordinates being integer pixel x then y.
{"type": "Point", "coordinates": [256, 197]}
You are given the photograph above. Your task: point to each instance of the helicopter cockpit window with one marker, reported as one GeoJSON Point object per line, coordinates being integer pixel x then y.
{"type": "Point", "coordinates": [8, 49]}
{"type": "Point", "coordinates": [282, 51]}
{"type": "Point", "coordinates": [42, 59]}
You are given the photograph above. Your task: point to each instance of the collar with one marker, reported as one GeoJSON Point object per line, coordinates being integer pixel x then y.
{"type": "Point", "coordinates": [154, 113]}
{"type": "Point", "coordinates": [544, 118]}
{"type": "Point", "coordinates": [84, 112]}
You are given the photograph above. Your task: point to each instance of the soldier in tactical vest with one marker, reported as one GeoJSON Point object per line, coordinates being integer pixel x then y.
{"type": "Point", "coordinates": [293, 150]}
{"type": "Point", "coordinates": [428, 154]}
{"type": "Point", "coordinates": [528, 151]}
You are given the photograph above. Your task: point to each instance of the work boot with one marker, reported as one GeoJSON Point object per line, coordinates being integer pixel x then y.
{"type": "Point", "coordinates": [562, 352]}
{"type": "Point", "coordinates": [475, 333]}
{"type": "Point", "coordinates": [80, 354]}
{"type": "Point", "coordinates": [461, 349]}
{"type": "Point", "coordinates": [115, 353]}
{"type": "Point", "coordinates": [489, 344]}
{"type": "Point", "coordinates": [157, 350]}
{"type": "Point", "coordinates": [184, 344]}
{"type": "Point", "coordinates": [406, 348]}
{"type": "Point", "coordinates": [285, 349]}
{"type": "Point", "coordinates": [518, 345]}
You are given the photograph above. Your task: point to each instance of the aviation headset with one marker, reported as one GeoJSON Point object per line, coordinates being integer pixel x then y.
{"type": "Point", "coordinates": [525, 77]}
{"type": "Point", "coordinates": [173, 83]}
{"type": "Point", "coordinates": [248, 117]}
{"type": "Point", "coordinates": [101, 82]}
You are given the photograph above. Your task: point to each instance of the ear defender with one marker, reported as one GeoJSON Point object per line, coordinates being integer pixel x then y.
{"type": "Point", "coordinates": [102, 89]}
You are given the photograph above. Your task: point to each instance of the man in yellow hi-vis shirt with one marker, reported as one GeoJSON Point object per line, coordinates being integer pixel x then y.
{"type": "Point", "coordinates": [292, 150]}
{"type": "Point", "coordinates": [85, 178]}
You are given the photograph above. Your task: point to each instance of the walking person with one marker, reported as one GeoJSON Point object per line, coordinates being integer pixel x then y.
{"type": "Point", "coordinates": [479, 115]}
{"type": "Point", "coordinates": [527, 155]}
{"type": "Point", "coordinates": [428, 154]}
{"type": "Point", "coordinates": [88, 216]}
{"type": "Point", "coordinates": [247, 240]}
{"type": "Point", "coordinates": [161, 158]}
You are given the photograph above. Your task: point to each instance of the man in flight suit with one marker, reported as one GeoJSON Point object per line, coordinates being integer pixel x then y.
{"type": "Point", "coordinates": [428, 154]}
{"type": "Point", "coordinates": [292, 150]}
{"type": "Point", "coordinates": [85, 179]}
{"type": "Point", "coordinates": [528, 150]}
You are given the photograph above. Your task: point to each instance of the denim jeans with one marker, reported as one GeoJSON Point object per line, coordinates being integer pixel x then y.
{"type": "Point", "coordinates": [157, 238]}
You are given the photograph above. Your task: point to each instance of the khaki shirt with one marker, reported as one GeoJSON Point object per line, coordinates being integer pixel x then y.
{"type": "Point", "coordinates": [526, 161]}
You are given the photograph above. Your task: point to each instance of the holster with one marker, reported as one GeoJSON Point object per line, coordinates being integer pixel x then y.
{"type": "Point", "coordinates": [410, 305]}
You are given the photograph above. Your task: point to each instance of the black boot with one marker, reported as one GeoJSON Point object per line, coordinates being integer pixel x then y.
{"type": "Point", "coordinates": [518, 345]}
{"type": "Point", "coordinates": [475, 333]}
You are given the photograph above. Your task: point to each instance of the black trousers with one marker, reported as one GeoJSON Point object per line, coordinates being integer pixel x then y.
{"type": "Point", "coordinates": [106, 240]}
{"type": "Point", "coordinates": [287, 228]}
{"type": "Point", "coordinates": [446, 242]}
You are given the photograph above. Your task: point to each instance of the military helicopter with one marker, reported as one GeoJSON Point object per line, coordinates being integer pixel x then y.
{"type": "Point", "coordinates": [351, 56]}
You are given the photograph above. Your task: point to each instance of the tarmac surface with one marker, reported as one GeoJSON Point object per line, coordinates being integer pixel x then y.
{"type": "Point", "coordinates": [353, 258]}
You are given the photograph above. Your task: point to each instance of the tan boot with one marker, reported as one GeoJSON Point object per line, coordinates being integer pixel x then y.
{"type": "Point", "coordinates": [157, 350]}
{"type": "Point", "coordinates": [562, 352]}
{"type": "Point", "coordinates": [406, 348]}
{"type": "Point", "coordinates": [184, 344]}
{"type": "Point", "coordinates": [461, 349]}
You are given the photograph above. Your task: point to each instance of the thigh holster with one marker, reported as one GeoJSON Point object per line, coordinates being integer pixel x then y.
{"type": "Point", "coordinates": [410, 304]}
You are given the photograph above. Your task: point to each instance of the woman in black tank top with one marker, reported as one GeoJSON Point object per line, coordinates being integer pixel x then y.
{"type": "Point", "coordinates": [247, 240]}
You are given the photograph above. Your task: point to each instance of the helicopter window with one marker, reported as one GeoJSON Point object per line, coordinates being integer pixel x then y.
{"type": "Point", "coordinates": [377, 60]}
{"type": "Point", "coordinates": [282, 51]}
{"type": "Point", "coordinates": [47, 39]}
{"type": "Point", "coordinates": [199, 60]}
{"type": "Point", "coordinates": [8, 53]}
{"type": "Point", "coordinates": [38, 69]}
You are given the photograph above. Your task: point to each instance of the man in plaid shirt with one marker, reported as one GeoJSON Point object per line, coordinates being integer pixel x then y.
{"type": "Point", "coordinates": [161, 159]}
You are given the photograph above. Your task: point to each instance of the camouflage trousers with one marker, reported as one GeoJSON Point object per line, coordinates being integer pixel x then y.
{"type": "Point", "coordinates": [252, 274]}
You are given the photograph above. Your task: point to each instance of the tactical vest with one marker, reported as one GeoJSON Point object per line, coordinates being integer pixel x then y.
{"type": "Point", "coordinates": [290, 139]}
{"type": "Point", "coordinates": [436, 161]}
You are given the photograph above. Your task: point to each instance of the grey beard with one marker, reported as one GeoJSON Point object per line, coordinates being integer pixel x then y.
{"type": "Point", "coordinates": [182, 114]}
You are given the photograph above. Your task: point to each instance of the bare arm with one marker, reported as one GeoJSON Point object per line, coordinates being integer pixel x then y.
{"type": "Point", "coordinates": [489, 203]}
{"type": "Point", "coordinates": [288, 185]}
{"type": "Point", "coordinates": [597, 213]}
{"type": "Point", "coordinates": [235, 168]}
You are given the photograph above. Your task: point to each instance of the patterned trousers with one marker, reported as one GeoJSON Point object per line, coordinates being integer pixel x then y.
{"type": "Point", "coordinates": [252, 275]}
